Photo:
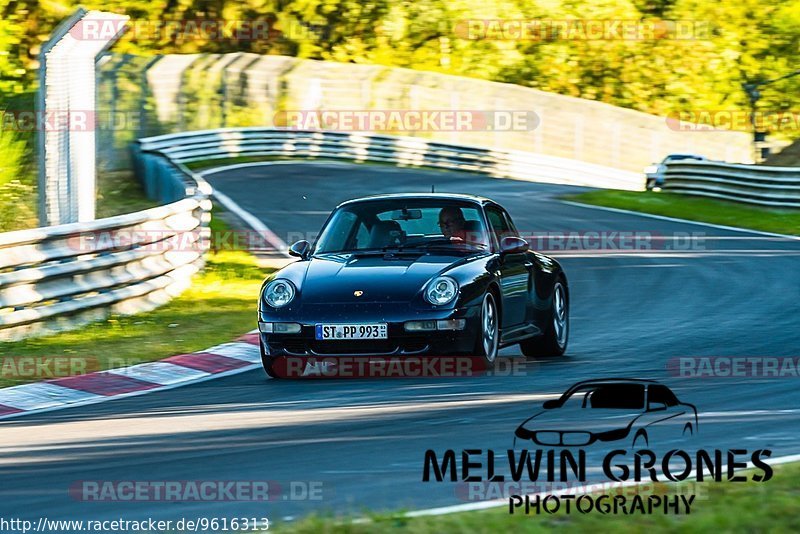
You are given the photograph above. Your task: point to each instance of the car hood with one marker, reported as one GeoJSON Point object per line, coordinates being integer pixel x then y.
{"type": "Point", "coordinates": [382, 278]}
{"type": "Point", "coordinates": [581, 419]}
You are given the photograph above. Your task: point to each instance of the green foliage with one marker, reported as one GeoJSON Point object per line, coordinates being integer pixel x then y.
{"type": "Point", "coordinates": [746, 40]}
{"type": "Point", "coordinates": [17, 175]}
{"type": "Point", "coordinates": [743, 40]}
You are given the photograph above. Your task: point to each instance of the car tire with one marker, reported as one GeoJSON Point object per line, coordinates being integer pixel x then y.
{"type": "Point", "coordinates": [553, 342]}
{"type": "Point", "coordinates": [488, 343]}
{"type": "Point", "coordinates": [639, 437]}
{"type": "Point", "coordinates": [267, 361]}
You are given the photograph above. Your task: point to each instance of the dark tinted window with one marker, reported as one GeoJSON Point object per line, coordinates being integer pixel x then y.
{"type": "Point", "coordinates": [614, 396]}
{"type": "Point", "coordinates": [501, 227]}
{"type": "Point", "coordinates": [411, 222]}
{"type": "Point", "coordinates": [662, 394]}
{"type": "Point", "coordinates": [618, 396]}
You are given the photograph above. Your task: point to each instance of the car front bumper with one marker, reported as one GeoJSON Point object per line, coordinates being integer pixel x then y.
{"type": "Point", "coordinates": [399, 341]}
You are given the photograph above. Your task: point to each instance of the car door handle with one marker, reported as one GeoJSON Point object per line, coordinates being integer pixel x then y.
{"type": "Point", "coordinates": [528, 264]}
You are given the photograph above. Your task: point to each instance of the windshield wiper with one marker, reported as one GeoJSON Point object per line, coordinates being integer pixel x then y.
{"type": "Point", "coordinates": [440, 241]}
{"type": "Point", "coordinates": [380, 251]}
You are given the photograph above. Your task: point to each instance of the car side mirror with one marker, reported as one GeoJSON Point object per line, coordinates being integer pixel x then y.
{"type": "Point", "coordinates": [300, 249]}
{"type": "Point", "coordinates": [513, 245]}
{"type": "Point", "coordinates": [656, 406]}
{"type": "Point", "coordinates": [549, 405]}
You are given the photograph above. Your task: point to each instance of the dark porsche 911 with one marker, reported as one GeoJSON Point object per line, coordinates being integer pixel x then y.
{"type": "Point", "coordinates": [414, 274]}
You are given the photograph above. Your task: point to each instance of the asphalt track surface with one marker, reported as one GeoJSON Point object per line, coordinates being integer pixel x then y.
{"type": "Point", "coordinates": [735, 294]}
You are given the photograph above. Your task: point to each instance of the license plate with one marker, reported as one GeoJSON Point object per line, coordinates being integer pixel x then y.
{"type": "Point", "coordinates": [351, 331]}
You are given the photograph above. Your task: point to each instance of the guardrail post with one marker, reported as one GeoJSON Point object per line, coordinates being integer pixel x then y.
{"type": "Point", "coordinates": [67, 93]}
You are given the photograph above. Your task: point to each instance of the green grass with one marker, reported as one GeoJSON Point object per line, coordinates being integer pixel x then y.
{"type": "Point", "coordinates": [119, 192]}
{"type": "Point", "coordinates": [219, 306]}
{"type": "Point", "coordinates": [725, 507]}
{"type": "Point", "coordinates": [17, 170]}
{"type": "Point", "coordinates": [208, 163]}
{"type": "Point", "coordinates": [783, 221]}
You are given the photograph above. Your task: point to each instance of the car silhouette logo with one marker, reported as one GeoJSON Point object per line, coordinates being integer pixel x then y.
{"type": "Point", "coordinates": [358, 292]}
{"type": "Point", "coordinates": [614, 409]}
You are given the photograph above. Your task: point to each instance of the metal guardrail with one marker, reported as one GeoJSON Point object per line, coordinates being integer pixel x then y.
{"type": "Point", "coordinates": [60, 277]}
{"type": "Point", "coordinates": [752, 184]}
{"type": "Point", "coordinates": [156, 95]}
{"type": "Point", "coordinates": [227, 143]}
{"type": "Point", "coordinates": [66, 156]}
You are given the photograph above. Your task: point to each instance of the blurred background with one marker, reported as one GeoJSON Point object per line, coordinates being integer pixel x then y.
{"type": "Point", "coordinates": [224, 80]}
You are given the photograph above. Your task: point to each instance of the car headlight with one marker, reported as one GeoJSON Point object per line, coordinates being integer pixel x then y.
{"type": "Point", "coordinates": [279, 293]}
{"type": "Point", "coordinates": [441, 290]}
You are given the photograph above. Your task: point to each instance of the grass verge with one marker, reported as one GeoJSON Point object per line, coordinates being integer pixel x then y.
{"type": "Point", "coordinates": [208, 163]}
{"type": "Point", "coordinates": [782, 221]}
{"type": "Point", "coordinates": [219, 306]}
{"type": "Point", "coordinates": [725, 507]}
{"type": "Point", "coordinates": [119, 192]}
{"type": "Point", "coordinates": [18, 203]}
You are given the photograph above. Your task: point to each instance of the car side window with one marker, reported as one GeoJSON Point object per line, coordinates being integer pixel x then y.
{"type": "Point", "coordinates": [339, 231]}
{"type": "Point", "coordinates": [362, 236]}
{"type": "Point", "coordinates": [662, 394]}
{"type": "Point", "coordinates": [498, 223]}
{"type": "Point", "coordinates": [510, 224]}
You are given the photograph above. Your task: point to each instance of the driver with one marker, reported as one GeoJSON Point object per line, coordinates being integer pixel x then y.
{"type": "Point", "coordinates": [452, 223]}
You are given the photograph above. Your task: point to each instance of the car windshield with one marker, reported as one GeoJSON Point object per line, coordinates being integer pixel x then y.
{"type": "Point", "coordinates": [613, 396]}
{"type": "Point", "coordinates": [404, 224]}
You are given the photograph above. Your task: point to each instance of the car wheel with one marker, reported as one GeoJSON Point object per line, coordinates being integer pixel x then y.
{"type": "Point", "coordinates": [267, 361]}
{"type": "Point", "coordinates": [489, 337]}
{"type": "Point", "coordinates": [688, 432]}
{"type": "Point", "coordinates": [554, 340]}
{"type": "Point", "coordinates": [640, 440]}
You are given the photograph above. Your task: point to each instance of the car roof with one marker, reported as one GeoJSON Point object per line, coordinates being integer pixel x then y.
{"type": "Point", "coordinates": [400, 196]}
{"type": "Point", "coordinates": [639, 381]}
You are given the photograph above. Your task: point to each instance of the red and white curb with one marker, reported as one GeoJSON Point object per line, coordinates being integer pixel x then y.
{"type": "Point", "coordinates": [180, 370]}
